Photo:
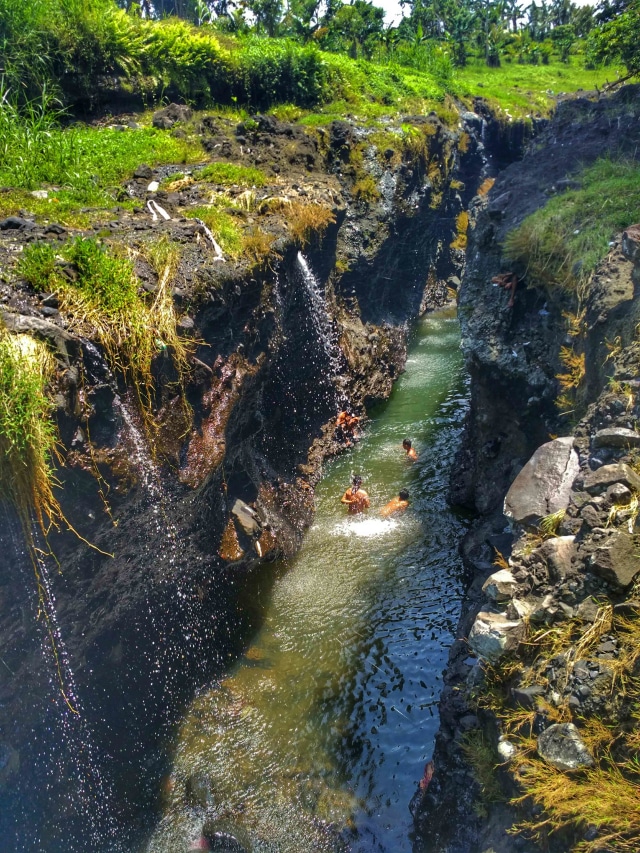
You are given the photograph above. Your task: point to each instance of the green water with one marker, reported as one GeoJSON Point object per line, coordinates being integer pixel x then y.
{"type": "Point", "coordinates": [317, 737]}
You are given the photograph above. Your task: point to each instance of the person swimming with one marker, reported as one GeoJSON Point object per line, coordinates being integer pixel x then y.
{"type": "Point", "coordinates": [411, 453]}
{"type": "Point", "coordinates": [396, 506]}
{"type": "Point", "coordinates": [356, 499]}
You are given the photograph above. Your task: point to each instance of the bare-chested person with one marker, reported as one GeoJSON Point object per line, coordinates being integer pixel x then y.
{"type": "Point", "coordinates": [411, 453]}
{"type": "Point", "coordinates": [346, 425]}
{"type": "Point", "coordinates": [396, 506]}
{"type": "Point", "coordinates": [356, 499]}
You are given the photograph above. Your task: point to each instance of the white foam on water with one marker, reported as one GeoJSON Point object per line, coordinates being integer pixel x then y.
{"type": "Point", "coordinates": [367, 528]}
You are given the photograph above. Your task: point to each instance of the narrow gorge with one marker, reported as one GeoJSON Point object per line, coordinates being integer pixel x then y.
{"type": "Point", "coordinates": [144, 678]}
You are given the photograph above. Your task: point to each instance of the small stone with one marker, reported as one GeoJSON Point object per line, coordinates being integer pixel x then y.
{"type": "Point", "coordinates": [40, 193]}
{"type": "Point", "coordinates": [506, 750]}
{"type": "Point", "coordinates": [558, 552]}
{"type": "Point", "coordinates": [54, 228]}
{"type": "Point", "coordinates": [185, 323]}
{"type": "Point", "coordinates": [153, 187]}
{"type": "Point", "coordinates": [561, 746]}
{"type": "Point", "coordinates": [143, 172]}
{"type": "Point", "coordinates": [527, 696]}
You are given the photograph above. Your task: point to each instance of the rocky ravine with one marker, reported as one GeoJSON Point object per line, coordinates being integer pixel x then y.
{"type": "Point", "coordinates": [188, 523]}
{"type": "Point", "coordinates": [546, 647]}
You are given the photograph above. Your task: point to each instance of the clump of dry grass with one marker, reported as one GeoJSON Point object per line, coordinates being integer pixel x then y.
{"type": "Point", "coordinates": [307, 221]}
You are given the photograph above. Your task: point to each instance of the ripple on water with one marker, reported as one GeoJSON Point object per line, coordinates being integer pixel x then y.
{"type": "Point", "coordinates": [315, 740]}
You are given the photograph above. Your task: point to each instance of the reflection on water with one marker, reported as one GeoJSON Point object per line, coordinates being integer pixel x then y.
{"type": "Point", "coordinates": [316, 739]}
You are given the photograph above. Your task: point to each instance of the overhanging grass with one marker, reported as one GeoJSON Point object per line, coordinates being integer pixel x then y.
{"type": "Point", "coordinates": [103, 300]}
{"type": "Point", "coordinates": [561, 244]}
{"type": "Point", "coordinates": [27, 435]}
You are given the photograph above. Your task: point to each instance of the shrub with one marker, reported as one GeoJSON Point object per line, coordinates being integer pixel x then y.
{"type": "Point", "coordinates": [366, 189]}
{"type": "Point", "coordinates": [223, 226]}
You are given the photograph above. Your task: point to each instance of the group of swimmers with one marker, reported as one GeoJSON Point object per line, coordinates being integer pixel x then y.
{"type": "Point", "coordinates": [357, 500]}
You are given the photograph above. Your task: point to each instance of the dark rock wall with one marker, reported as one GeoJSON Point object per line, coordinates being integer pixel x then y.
{"type": "Point", "coordinates": [142, 628]}
{"type": "Point", "coordinates": [512, 356]}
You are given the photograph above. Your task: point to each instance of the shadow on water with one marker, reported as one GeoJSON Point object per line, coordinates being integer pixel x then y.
{"type": "Point", "coordinates": [316, 738]}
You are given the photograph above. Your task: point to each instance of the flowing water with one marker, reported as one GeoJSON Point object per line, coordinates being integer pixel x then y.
{"type": "Point", "coordinates": [316, 740]}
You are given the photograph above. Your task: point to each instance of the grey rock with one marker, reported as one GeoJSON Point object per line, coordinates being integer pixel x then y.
{"type": "Point", "coordinates": [247, 517]}
{"type": "Point", "coordinates": [599, 481]}
{"type": "Point", "coordinates": [169, 115]}
{"type": "Point", "coordinates": [558, 552]}
{"type": "Point", "coordinates": [561, 746]}
{"type": "Point", "coordinates": [16, 223]}
{"type": "Point", "coordinates": [498, 205]}
{"type": "Point", "coordinates": [143, 172]}
{"type": "Point", "coordinates": [40, 328]}
{"type": "Point", "coordinates": [543, 486]}
{"type": "Point", "coordinates": [500, 586]}
{"type": "Point", "coordinates": [618, 494]}
{"type": "Point", "coordinates": [631, 243]}
{"type": "Point", "coordinates": [493, 635]}
{"type": "Point", "coordinates": [616, 559]}
{"type": "Point", "coordinates": [616, 437]}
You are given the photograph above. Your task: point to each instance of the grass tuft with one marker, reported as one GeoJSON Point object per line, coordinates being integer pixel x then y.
{"type": "Point", "coordinates": [560, 245]}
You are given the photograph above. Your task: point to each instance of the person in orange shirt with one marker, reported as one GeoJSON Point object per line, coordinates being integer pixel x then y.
{"type": "Point", "coordinates": [356, 499]}
{"type": "Point", "coordinates": [411, 454]}
{"type": "Point", "coordinates": [396, 506]}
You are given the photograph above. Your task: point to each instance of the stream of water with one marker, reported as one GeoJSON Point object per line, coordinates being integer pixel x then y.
{"type": "Point", "coordinates": [316, 739]}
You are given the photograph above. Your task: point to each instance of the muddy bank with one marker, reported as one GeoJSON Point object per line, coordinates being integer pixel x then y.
{"type": "Point", "coordinates": [570, 579]}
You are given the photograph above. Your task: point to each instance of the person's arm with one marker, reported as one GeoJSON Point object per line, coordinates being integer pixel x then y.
{"type": "Point", "coordinates": [345, 499]}
{"type": "Point", "coordinates": [366, 503]}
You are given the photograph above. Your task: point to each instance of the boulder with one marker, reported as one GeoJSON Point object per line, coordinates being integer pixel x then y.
{"type": "Point", "coordinates": [558, 553]}
{"type": "Point", "coordinates": [599, 480]}
{"type": "Point", "coordinates": [494, 634]}
{"type": "Point", "coordinates": [500, 586]}
{"type": "Point", "coordinates": [631, 243]}
{"type": "Point", "coordinates": [616, 437]}
{"type": "Point", "coordinates": [543, 486]}
{"type": "Point", "coordinates": [169, 115]}
{"type": "Point", "coordinates": [561, 746]}
{"type": "Point", "coordinates": [617, 558]}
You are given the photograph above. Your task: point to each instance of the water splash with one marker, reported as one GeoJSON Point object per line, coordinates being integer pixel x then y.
{"type": "Point", "coordinates": [89, 793]}
{"type": "Point", "coordinates": [209, 235]}
{"type": "Point", "coordinates": [324, 327]}
{"type": "Point", "coordinates": [368, 528]}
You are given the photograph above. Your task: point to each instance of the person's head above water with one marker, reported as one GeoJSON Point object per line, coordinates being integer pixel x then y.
{"type": "Point", "coordinates": [356, 482]}
{"type": "Point", "coordinates": [403, 494]}
{"type": "Point", "coordinates": [407, 444]}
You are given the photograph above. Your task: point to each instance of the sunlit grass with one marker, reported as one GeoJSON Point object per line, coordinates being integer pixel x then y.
{"type": "Point", "coordinates": [104, 301]}
{"type": "Point", "coordinates": [561, 244]}
{"type": "Point", "coordinates": [524, 90]}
